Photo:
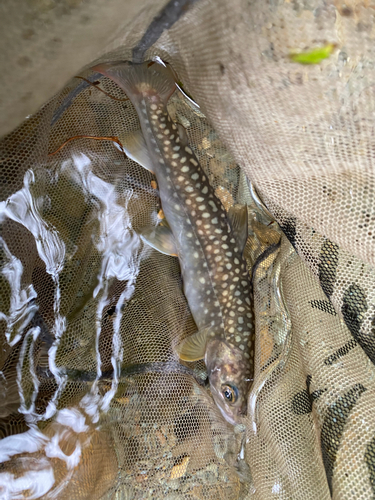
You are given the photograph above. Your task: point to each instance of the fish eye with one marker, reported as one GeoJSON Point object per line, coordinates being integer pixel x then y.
{"type": "Point", "coordinates": [230, 393]}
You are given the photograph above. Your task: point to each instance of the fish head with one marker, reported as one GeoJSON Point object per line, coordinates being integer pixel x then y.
{"type": "Point", "coordinates": [228, 374]}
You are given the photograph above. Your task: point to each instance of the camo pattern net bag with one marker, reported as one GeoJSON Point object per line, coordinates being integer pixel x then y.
{"type": "Point", "coordinates": [95, 400]}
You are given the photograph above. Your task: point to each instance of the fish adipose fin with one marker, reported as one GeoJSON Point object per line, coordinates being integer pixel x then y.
{"type": "Point", "coordinates": [160, 238]}
{"type": "Point", "coordinates": [193, 348]}
{"type": "Point", "coordinates": [238, 219]}
{"type": "Point", "coordinates": [136, 149]}
{"type": "Point", "coordinates": [139, 80]}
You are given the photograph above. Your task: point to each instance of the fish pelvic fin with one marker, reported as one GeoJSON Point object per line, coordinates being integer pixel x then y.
{"type": "Point", "coordinates": [160, 238]}
{"type": "Point", "coordinates": [238, 219]}
{"type": "Point", "coordinates": [193, 348]}
{"type": "Point", "coordinates": [135, 148]}
{"type": "Point", "coordinates": [182, 135]}
{"type": "Point", "coordinates": [147, 79]}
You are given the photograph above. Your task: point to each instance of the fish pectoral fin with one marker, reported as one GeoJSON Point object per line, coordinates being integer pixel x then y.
{"type": "Point", "coordinates": [160, 238]}
{"type": "Point", "coordinates": [135, 148]}
{"type": "Point", "coordinates": [193, 348]}
{"type": "Point", "coordinates": [238, 218]}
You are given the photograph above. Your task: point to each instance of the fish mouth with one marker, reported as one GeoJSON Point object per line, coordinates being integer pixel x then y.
{"type": "Point", "coordinates": [231, 420]}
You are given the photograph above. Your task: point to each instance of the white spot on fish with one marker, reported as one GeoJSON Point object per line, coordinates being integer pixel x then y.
{"type": "Point", "coordinates": [188, 202]}
{"type": "Point", "coordinates": [240, 320]}
{"type": "Point", "coordinates": [231, 329]}
{"type": "Point", "coordinates": [196, 255]}
{"type": "Point", "coordinates": [205, 190]}
{"type": "Point", "coordinates": [199, 199]}
{"type": "Point", "coordinates": [202, 280]}
{"type": "Point", "coordinates": [193, 162]}
{"type": "Point", "coordinates": [175, 155]}
{"type": "Point", "coordinates": [182, 160]}
{"type": "Point", "coordinates": [189, 235]}
{"type": "Point", "coordinates": [154, 107]}
{"type": "Point", "coordinates": [218, 231]}
{"type": "Point", "coordinates": [185, 169]}
{"type": "Point", "coordinates": [214, 220]}
{"type": "Point", "coordinates": [228, 254]}
{"type": "Point", "coordinates": [195, 176]}
{"type": "Point", "coordinates": [237, 338]}
{"type": "Point", "coordinates": [188, 150]}
{"type": "Point", "coordinates": [159, 136]}
{"type": "Point", "coordinates": [213, 205]}
{"type": "Point", "coordinates": [166, 131]}
{"type": "Point", "coordinates": [206, 215]}
{"type": "Point", "coordinates": [180, 178]}
{"type": "Point", "coordinates": [189, 189]}
{"type": "Point", "coordinates": [162, 125]}
{"type": "Point", "coordinates": [225, 277]}
{"type": "Point", "coordinates": [177, 207]}
{"type": "Point", "coordinates": [198, 222]}
{"type": "Point", "coordinates": [228, 266]}
{"type": "Point", "coordinates": [176, 148]}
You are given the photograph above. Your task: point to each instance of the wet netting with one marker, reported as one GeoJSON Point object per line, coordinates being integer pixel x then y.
{"type": "Point", "coordinates": [95, 401]}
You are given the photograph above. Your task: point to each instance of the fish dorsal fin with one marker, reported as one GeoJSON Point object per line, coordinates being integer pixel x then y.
{"type": "Point", "coordinates": [135, 148]}
{"type": "Point", "coordinates": [160, 238]}
{"type": "Point", "coordinates": [184, 140]}
{"type": "Point", "coordinates": [193, 348]}
{"type": "Point", "coordinates": [238, 218]}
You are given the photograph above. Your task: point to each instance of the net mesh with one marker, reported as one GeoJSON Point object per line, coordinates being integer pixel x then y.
{"type": "Point", "coordinates": [95, 401]}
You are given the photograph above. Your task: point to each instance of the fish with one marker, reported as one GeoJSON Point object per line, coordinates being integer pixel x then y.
{"type": "Point", "coordinates": [207, 239]}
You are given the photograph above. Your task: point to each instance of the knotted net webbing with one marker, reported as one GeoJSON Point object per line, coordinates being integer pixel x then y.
{"type": "Point", "coordinates": [95, 402]}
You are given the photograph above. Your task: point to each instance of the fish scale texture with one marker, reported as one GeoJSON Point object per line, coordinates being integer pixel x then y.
{"type": "Point", "coordinates": [95, 402]}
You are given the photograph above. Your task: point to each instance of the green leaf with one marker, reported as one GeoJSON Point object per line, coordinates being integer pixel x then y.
{"type": "Point", "coordinates": [314, 56]}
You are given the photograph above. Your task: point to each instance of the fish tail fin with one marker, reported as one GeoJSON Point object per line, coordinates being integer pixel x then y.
{"type": "Point", "coordinates": [140, 80]}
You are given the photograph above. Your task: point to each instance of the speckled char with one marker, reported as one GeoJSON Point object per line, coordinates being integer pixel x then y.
{"type": "Point", "coordinates": [216, 280]}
